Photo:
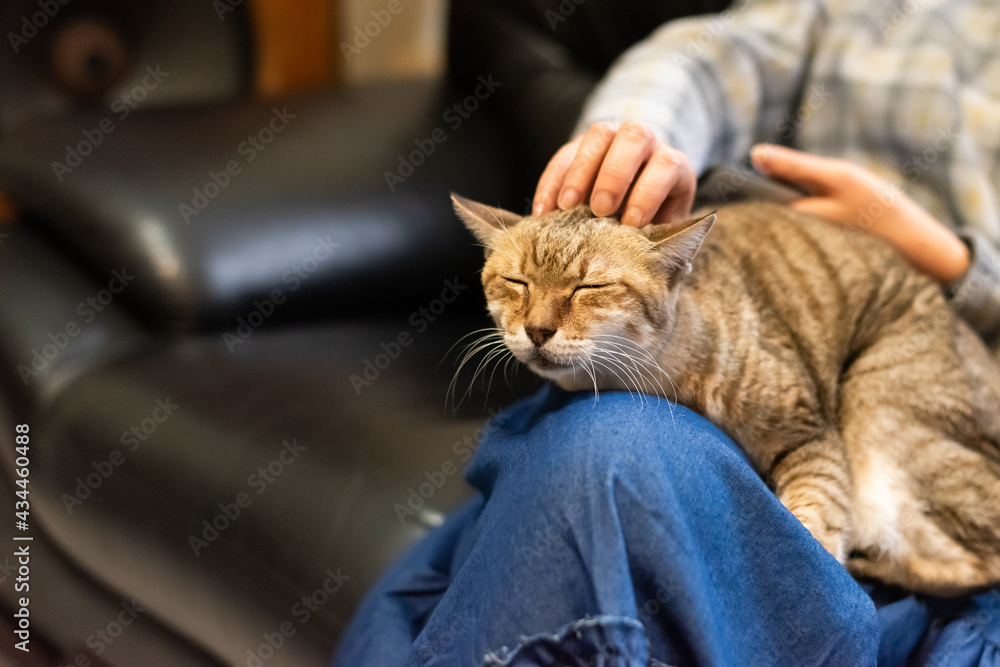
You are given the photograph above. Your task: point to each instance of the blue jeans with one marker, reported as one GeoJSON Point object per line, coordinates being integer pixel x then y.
{"type": "Point", "coordinates": [615, 533]}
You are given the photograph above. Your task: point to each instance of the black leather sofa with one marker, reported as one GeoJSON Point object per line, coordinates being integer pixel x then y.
{"type": "Point", "coordinates": [224, 322]}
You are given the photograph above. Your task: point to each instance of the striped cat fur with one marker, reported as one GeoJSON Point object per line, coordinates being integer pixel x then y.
{"type": "Point", "coordinates": [869, 408]}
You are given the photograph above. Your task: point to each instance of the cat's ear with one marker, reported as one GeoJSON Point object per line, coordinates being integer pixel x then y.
{"type": "Point", "coordinates": [678, 243]}
{"type": "Point", "coordinates": [483, 220]}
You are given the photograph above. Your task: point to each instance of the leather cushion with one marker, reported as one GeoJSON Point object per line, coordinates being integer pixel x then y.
{"type": "Point", "coordinates": [311, 213]}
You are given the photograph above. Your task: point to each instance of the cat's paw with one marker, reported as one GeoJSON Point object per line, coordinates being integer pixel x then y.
{"type": "Point", "coordinates": [835, 542]}
{"type": "Point", "coordinates": [832, 539]}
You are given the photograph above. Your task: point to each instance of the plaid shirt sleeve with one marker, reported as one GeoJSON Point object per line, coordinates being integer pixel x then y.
{"type": "Point", "coordinates": [711, 86]}
{"type": "Point", "coordinates": [976, 295]}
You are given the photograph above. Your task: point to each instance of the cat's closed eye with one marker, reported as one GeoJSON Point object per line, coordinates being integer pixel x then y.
{"type": "Point", "coordinates": [594, 286]}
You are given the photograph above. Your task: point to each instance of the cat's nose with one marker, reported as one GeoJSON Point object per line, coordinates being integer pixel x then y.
{"type": "Point", "coordinates": [539, 335]}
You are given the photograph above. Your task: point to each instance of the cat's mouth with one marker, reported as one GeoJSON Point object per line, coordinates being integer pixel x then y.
{"type": "Point", "coordinates": [541, 362]}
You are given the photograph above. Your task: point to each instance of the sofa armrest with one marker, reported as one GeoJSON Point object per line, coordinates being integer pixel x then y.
{"type": "Point", "coordinates": [59, 322]}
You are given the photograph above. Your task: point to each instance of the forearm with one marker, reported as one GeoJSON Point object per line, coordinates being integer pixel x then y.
{"type": "Point", "coordinates": [711, 86]}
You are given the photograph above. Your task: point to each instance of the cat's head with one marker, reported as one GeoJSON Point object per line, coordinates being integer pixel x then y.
{"type": "Point", "coordinates": [574, 294]}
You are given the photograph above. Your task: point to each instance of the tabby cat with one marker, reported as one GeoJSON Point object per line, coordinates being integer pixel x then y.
{"type": "Point", "coordinates": [868, 406]}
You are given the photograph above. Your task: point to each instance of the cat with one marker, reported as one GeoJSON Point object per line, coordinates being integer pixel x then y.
{"type": "Point", "coordinates": [870, 409]}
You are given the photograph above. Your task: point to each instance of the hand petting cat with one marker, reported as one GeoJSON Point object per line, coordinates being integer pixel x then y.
{"type": "Point", "coordinates": [851, 195]}
{"type": "Point", "coordinates": [603, 165]}
{"type": "Point", "coordinates": [656, 184]}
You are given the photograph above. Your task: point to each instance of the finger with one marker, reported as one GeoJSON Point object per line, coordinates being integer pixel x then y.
{"type": "Point", "coordinates": [632, 146]}
{"type": "Point", "coordinates": [819, 206]}
{"type": "Point", "coordinates": [681, 197]}
{"type": "Point", "coordinates": [818, 175]}
{"type": "Point", "coordinates": [653, 186]}
{"type": "Point", "coordinates": [583, 170]}
{"type": "Point", "coordinates": [551, 180]}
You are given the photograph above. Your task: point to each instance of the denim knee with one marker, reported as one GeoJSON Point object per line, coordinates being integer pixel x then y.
{"type": "Point", "coordinates": [569, 444]}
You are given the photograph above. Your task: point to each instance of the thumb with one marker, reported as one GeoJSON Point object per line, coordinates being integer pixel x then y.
{"type": "Point", "coordinates": [811, 172]}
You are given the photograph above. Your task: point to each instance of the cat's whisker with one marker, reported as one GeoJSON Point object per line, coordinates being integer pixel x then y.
{"type": "Point", "coordinates": [643, 370]}
{"type": "Point", "coordinates": [475, 347]}
{"type": "Point", "coordinates": [483, 364]}
{"type": "Point", "coordinates": [617, 363]}
{"type": "Point", "coordinates": [494, 351]}
{"type": "Point", "coordinates": [489, 385]}
{"type": "Point", "coordinates": [478, 346]}
{"type": "Point", "coordinates": [639, 365]}
{"type": "Point", "coordinates": [493, 332]}
{"type": "Point", "coordinates": [600, 361]}
{"type": "Point", "coordinates": [649, 360]}
{"type": "Point", "coordinates": [670, 404]}
{"type": "Point", "coordinates": [627, 343]}
{"type": "Point", "coordinates": [636, 372]}
{"type": "Point", "coordinates": [506, 370]}
{"type": "Point", "coordinates": [492, 339]}
{"type": "Point", "coordinates": [592, 374]}
{"type": "Point", "coordinates": [481, 369]}
{"type": "Point", "coordinates": [627, 357]}
{"type": "Point", "coordinates": [647, 366]}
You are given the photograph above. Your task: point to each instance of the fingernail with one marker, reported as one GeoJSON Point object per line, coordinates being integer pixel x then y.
{"type": "Point", "coordinates": [538, 208]}
{"type": "Point", "coordinates": [632, 217]}
{"type": "Point", "coordinates": [602, 204]}
{"type": "Point", "coordinates": [760, 154]}
{"type": "Point", "coordinates": [568, 198]}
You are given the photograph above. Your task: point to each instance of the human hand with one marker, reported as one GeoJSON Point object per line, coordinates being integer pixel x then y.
{"type": "Point", "coordinates": [603, 164]}
{"type": "Point", "coordinates": [853, 196]}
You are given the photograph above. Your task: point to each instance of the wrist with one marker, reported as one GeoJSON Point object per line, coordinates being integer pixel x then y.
{"type": "Point", "coordinates": [946, 255]}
